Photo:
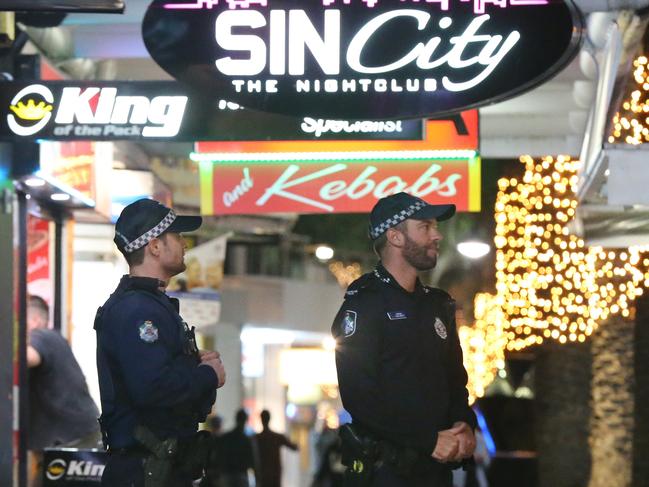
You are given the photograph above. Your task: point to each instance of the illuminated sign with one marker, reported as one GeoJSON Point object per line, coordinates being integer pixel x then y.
{"type": "Point", "coordinates": [94, 110]}
{"type": "Point", "coordinates": [73, 467]}
{"type": "Point", "coordinates": [335, 182]}
{"type": "Point", "coordinates": [363, 58]}
{"type": "Point", "coordinates": [140, 110]}
{"type": "Point", "coordinates": [457, 132]}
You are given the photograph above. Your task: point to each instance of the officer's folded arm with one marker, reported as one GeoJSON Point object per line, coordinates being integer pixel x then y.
{"type": "Point", "coordinates": [154, 373]}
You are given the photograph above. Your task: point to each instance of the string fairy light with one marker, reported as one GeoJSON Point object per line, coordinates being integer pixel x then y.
{"type": "Point", "coordinates": [550, 284]}
{"type": "Point", "coordinates": [483, 344]}
{"type": "Point", "coordinates": [631, 123]}
{"type": "Point", "coordinates": [345, 274]}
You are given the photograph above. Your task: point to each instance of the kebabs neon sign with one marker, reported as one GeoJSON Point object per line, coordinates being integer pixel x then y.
{"type": "Point", "coordinates": [395, 59]}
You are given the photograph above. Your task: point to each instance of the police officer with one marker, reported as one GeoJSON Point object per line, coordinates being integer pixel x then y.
{"type": "Point", "coordinates": [399, 359]}
{"type": "Point", "coordinates": [155, 385]}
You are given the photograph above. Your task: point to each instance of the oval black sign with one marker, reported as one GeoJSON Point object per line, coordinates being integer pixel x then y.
{"type": "Point", "coordinates": [363, 58]}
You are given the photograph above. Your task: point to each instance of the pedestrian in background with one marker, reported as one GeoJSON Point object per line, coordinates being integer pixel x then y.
{"type": "Point", "coordinates": [399, 359]}
{"type": "Point", "coordinates": [214, 470]}
{"type": "Point", "coordinates": [269, 445]}
{"type": "Point", "coordinates": [238, 455]}
{"type": "Point", "coordinates": [61, 411]}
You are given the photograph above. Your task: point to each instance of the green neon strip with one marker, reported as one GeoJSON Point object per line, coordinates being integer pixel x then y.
{"type": "Point", "coordinates": [206, 172]}
{"type": "Point", "coordinates": [475, 183]}
{"type": "Point", "coordinates": [209, 159]}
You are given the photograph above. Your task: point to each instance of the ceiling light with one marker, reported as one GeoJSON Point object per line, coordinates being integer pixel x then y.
{"type": "Point", "coordinates": [324, 252]}
{"type": "Point", "coordinates": [60, 197]}
{"type": "Point", "coordinates": [473, 249]}
{"type": "Point", "coordinates": [34, 182]}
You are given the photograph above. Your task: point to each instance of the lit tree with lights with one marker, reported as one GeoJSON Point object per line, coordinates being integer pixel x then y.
{"type": "Point", "coordinates": [619, 357]}
{"type": "Point", "coordinates": [483, 345]}
{"type": "Point", "coordinates": [553, 288]}
{"type": "Point", "coordinates": [631, 124]}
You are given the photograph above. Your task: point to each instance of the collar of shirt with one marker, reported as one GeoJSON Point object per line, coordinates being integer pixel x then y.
{"type": "Point", "coordinates": [382, 274]}
{"type": "Point", "coordinates": [150, 284]}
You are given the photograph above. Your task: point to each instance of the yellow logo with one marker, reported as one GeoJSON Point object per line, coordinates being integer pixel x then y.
{"type": "Point", "coordinates": [56, 469]}
{"type": "Point", "coordinates": [358, 467]}
{"type": "Point", "coordinates": [31, 111]}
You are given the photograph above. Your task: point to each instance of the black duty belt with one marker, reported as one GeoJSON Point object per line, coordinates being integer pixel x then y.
{"type": "Point", "coordinates": [133, 451]}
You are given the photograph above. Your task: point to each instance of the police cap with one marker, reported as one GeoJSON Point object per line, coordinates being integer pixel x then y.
{"type": "Point", "coordinates": [145, 219]}
{"type": "Point", "coordinates": [392, 210]}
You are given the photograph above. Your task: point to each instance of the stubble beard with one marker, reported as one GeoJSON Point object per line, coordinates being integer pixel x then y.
{"type": "Point", "coordinates": [178, 268]}
{"type": "Point", "coordinates": [417, 255]}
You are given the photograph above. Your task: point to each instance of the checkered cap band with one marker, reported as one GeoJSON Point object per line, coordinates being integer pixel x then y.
{"type": "Point", "coordinates": [394, 220]}
{"type": "Point", "coordinates": [156, 231]}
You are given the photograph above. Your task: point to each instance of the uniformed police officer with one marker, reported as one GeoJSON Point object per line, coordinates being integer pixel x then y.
{"type": "Point", "coordinates": [399, 359]}
{"type": "Point", "coordinates": [155, 385]}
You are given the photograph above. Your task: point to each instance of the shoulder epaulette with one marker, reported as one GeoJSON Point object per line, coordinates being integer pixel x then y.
{"type": "Point", "coordinates": [363, 283]}
{"type": "Point", "coordinates": [434, 291]}
{"type": "Point", "coordinates": [440, 294]}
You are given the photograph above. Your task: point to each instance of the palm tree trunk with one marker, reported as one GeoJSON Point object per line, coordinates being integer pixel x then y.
{"type": "Point", "coordinates": [641, 440]}
{"type": "Point", "coordinates": [562, 409]}
{"type": "Point", "coordinates": [612, 419]}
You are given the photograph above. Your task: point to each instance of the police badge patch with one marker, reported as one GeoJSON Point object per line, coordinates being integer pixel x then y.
{"type": "Point", "coordinates": [349, 323]}
{"type": "Point", "coordinates": [440, 329]}
{"type": "Point", "coordinates": [148, 332]}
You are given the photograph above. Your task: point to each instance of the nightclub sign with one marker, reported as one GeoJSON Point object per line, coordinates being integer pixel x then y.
{"type": "Point", "coordinates": [337, 185]}
{"type": "Point", "coordinates": [361, 59]}
{"type": "Point", "coordinates": [141, 110]}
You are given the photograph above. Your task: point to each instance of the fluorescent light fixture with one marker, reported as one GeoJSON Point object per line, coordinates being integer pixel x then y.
{"type": "Point", "coordinates": [34, 182]}
{"type": "Point", "coordinates": [59, 197]}
{"type": "Point", "coordinates": [64, 188]}
{"type": "Point", "coordinates": [324, 253]}
{"type": "Point", "coordinates": [267, 336]}
{"type": "Point", "coordinates": [473, 249]}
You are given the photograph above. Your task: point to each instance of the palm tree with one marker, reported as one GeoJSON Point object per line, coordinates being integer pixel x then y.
{"type": "Point", "coordinates": [613, 404]}
{"type": "Point", "coordinates": [562, 409]}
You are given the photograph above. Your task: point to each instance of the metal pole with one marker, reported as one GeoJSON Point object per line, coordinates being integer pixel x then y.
{"type": "Point", "coordinates": [59, 259]}
{"type": "Point", "coordinates": [21, 298]}
{"type": "Point", "coordinates": [8, 454]}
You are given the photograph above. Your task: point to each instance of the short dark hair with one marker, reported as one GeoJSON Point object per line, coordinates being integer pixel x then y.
{"type": "Point", "coordinates": [137, 256]}
{"type": "Point", "coordinates": [215, 422]}
{"type": "Point", "coordinates": [134, 258]}
{"type": "Point", "coordinates": [265, 416]}
{"type": "Point", "coordinates": [241, 417]}
{"type": "Point", "coordinates": [380, 243]}
{"type": "Point", "coordinates": [40, 305]}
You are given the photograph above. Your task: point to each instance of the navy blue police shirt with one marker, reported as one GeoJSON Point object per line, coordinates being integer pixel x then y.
{"type": "Point", "coordinates": [399, 361]}
{"type": "Point", "coordinates": [148, 373]}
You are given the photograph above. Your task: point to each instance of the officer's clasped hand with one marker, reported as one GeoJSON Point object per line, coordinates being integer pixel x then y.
{"type": "Point", "coordinates": [455, 444]}
{"type": "Point", "coordinates": [466, 439]}
{"type": "Point", "coordinates": [213, 359]}
{"type": "Point", "coordinates": [447, 447]}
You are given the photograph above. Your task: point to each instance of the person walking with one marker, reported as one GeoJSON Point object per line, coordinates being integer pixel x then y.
{"type": "Point", "coordinates": [399, 359]}
{"type": "Point", "coordinates": [269, 445]}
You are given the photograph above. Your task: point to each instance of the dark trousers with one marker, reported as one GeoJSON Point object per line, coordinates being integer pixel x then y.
{"type": "Point", "coordinates": [385, 476]}
{"type": "Point", "coordinates": [128, 471]}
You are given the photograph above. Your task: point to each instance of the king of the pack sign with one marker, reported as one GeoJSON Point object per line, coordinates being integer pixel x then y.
{"type": "Point", "coordinates": [365, 59]}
